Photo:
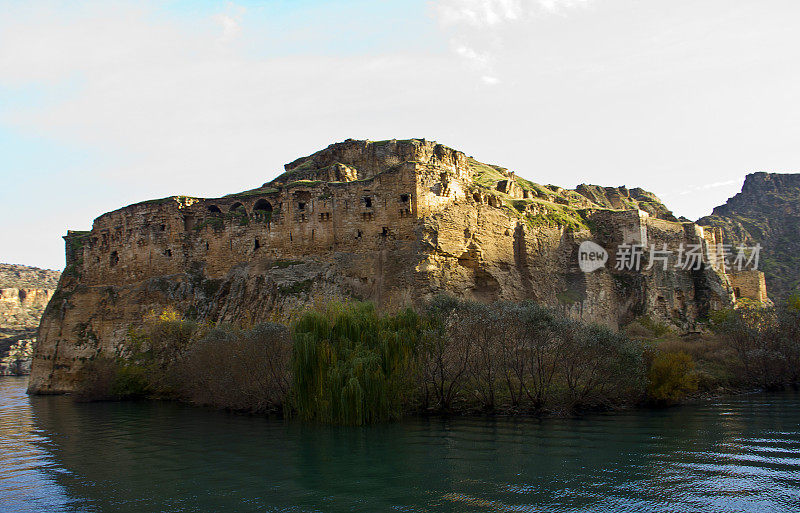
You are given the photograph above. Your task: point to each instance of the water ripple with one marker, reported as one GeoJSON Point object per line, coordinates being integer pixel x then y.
{"type": "Point", "coordinates": [738, 454]}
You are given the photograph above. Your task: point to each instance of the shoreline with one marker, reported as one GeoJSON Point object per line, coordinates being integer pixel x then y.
{"type": "Point", "coordinates": [697, 399]}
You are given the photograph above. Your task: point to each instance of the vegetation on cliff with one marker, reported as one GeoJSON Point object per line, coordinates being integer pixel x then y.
{"type": "Point", "coordinates": [24, 277]}
{"type": "Point", "coordinates": [350, 364]}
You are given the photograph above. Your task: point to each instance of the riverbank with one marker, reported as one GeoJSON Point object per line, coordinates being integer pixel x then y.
{"type": "Point", "coordinates": [349, 364]}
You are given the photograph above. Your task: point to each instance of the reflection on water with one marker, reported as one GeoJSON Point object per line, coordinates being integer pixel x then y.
{"type": "Point", "coordinates": [740, 454]}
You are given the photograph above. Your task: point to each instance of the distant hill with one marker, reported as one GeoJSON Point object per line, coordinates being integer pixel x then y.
{"type": "Point", "coordinates": [24, 293]}
{"type": "Point", "coordinates": [767, 211]}
{"type": "Point", "coordinates": [24, 277]}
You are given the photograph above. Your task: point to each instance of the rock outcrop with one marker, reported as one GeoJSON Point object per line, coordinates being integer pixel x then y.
{"type": "Point", "coordinates": [766, 212]}
{"type": "Point", "coordinates": [393, 222]}
{"type": "Point", "coordinates": [24, 294]}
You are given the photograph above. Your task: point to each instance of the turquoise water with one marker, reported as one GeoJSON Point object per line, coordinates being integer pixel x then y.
{"type": "Point", "coordinates": [740, 454]}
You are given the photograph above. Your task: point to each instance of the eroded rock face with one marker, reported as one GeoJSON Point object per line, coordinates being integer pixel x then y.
{"type": "Point", "coordinates": [767, 212]}
{"type": "Point", "coordinates": [393, 222]}
{"type": "Point", "coordinates": [24, 293]}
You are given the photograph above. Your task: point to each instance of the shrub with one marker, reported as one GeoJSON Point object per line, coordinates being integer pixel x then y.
{"type": "Point", "coordinates": [105, 379]}
{"type": "Point", "coordinates": [162, 340]}
{"type": "Point", "coordinates": [237, 369]}
{"type": "Point", "coordinates": [671, 378]}
{"type": "Point", "coordinates": [755, 336]}
{"type": "Point", "coordinates": [130, 381]}
{"type": "Point", "coordinates": [601, 368]}
{"type": "Point", "coordinates": [656, 329]}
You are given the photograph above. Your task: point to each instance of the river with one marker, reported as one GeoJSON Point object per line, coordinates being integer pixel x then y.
{"type": "Point", "coordinates": [735, 454]}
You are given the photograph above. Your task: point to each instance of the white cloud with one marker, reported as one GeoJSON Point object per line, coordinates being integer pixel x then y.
{"type": "Point", "coordinates": [491, 13]}
{"type": "Point", "coordinates": [478, 28]}
{"type": "Point", "coordinates": [709, 186]}
{"type": "Point", "coordinates": [178, 105]}
{"type": "Point", "coordinates": [475, 59]}
{"type": "Point", "coordinates": [230, 26]}
{"type": "Point", "coordinates": [167, 92]}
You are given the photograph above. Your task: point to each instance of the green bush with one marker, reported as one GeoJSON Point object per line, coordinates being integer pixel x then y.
{"type": "Point", "coordinates": [130, 381]}
{"type": "Point", "coordinates": [671, 378]}
{"type": "Point", "coordinates": [106, 379]}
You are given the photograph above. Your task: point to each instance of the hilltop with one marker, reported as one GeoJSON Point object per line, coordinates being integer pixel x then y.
{"type": "Point", "coordinates": [766, 212]}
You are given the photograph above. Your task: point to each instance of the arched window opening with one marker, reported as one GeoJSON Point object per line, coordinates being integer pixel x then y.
{"type": "Point", "coordinates": [262, 205]}
{"type": "Point", "coordinates": [214, 209]}
{"type": "Point", "coordinates": [238, 208]}
{"type": "Point", "coordinates": [262, 209]}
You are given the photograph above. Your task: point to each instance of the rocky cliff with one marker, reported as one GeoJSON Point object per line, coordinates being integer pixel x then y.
{"type": "Point", "coordinates": [393, 222]}
{"type": "Point", "coordinates": [766, 212]}
{"type": "Point", "coordinates": [24, 293]}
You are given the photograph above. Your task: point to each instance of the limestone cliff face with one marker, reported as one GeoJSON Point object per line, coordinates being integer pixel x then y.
{"type": "Point", "coordinates": [392, 222]}
{"type": "Point", "coordinates": [24, 293]}
{"type": "Point", "coordinates": [767, 212]}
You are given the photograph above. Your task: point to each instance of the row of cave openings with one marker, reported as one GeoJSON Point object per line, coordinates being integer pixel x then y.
{"type": "Point", "coordinates": [260, 208]}
{"type": "Point", "coordinates": [263, 208]}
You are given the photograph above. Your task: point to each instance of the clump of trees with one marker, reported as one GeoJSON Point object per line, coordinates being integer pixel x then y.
{"type": "Point", "coordinates": [347, 363]}
{"type": "Point", "coordinates": [522, 357]}
{"type": "Point", "coordinates": [764, 341]}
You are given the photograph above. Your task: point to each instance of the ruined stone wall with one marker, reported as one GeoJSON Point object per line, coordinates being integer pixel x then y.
{"type": "Point", "coordinates": [749, 284]}
{"type": "Point", "coordinates": [392, 222]}
{"type": "Point", "coordinates": [169, 236]}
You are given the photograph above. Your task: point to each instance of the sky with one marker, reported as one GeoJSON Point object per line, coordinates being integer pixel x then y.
{"type": "Point", "coordinates": [107, 103]}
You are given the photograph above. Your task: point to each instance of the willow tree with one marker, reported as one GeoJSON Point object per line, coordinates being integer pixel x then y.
{"type": "Point", "coordinates": [351, 365]}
